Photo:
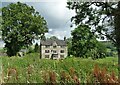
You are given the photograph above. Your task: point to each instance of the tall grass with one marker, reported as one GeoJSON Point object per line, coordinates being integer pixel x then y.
{"type": "Point", "coordinates": [31, 69]}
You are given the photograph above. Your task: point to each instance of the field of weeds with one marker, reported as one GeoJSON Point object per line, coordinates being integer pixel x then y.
{"type": "Point", "coordinates": [31, 69]}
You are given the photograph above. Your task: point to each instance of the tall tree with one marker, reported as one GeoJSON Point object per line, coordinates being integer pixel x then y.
{"type": "Point", "coordinates": [20, 26]}
{"type": "Point", "coordinates": [83, 41]}
{"type": "Point", "coordinates": [103, 16]}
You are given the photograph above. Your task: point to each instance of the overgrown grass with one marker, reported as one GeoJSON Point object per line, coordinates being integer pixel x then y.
{"type": "Point", "coordinates": [83, 67]}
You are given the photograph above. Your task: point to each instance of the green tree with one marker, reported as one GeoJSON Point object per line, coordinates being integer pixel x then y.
{"type": "Point", "coordinates": [83, 40]}
{"type": "Point", "coordinates": [20, 26]}
{"type": "Point", "coordinates": [103, 16]}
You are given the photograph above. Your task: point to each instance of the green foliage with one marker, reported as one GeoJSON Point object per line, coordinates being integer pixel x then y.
{"type": "Point", "coordinates": [111, 49]}
{"type": "Point", "coordinates": [83, 40]}
{"type": "Point", "coordinates": [21, 25]}
{"type": "Point", "coordinates": [94, 12]}
{"type": "Point", "coordinates": [82, 67]}
{"type": "Point", "coordinates": [100, 51]}
{"type": "Point", "coordinates": [84, 44]}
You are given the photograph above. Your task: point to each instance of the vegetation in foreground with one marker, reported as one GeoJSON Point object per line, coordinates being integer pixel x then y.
{"type": "Point", "coordinates": [31, 69]}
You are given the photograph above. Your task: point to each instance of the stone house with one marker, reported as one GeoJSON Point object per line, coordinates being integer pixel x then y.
{"type": "Point", "coordinates": [53, 49]}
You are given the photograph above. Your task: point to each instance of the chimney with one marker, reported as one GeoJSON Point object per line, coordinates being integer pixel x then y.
{"type": "Point", "coordinates": [64, 38]}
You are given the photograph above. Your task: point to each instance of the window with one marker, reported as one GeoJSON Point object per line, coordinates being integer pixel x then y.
{"type": "Point", "coordinates": [62, 51]}
{"type": "Point", "coordinates": [47, 46]}
{"type": "Point", "coordinates": [54, 46]}
{"type": "Point", "coordinates": [46, 56]}
{"type": "Point", "coordinates": [54, 51]}
{"type": "Point", "coordinates": [46, 51]}
{"type": "Point", "coordinates": [55, 56]}
{"type": "Point", "coordinates": [61, 56]}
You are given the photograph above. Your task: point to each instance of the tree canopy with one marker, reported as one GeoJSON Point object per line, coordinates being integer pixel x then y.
{"type": "Point", "coordinates": [98, 15]}
{"type": "Point", "coordinates": [82, 40]}
{"type": "Point", "coordinates": [83, 43]}
{"type": "Point", "coordinates": [20, 26]}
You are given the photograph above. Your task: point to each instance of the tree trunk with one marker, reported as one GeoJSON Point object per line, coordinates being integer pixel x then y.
{"type": "Point", "coordinates": [117, 34]}
{"type": "Point", "coordinates": [40, 51]}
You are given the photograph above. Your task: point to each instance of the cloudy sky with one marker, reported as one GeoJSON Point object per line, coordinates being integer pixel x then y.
{"type": "Point", "coordinates": [55, 13]}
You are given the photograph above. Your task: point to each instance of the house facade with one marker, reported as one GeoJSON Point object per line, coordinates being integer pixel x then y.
{"type": "Point", "coordinates": [53, 49]}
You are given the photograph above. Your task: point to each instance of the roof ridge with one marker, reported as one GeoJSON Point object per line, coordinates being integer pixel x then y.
{"type": "Point", "coordinates": [51, 41]}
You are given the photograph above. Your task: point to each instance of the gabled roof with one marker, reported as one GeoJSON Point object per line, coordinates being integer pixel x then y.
{"type": "Point", "coordinates": [51, 41]}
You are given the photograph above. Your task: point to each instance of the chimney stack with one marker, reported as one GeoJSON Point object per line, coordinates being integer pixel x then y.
{"type": "Point", "coordinates": [64, 38]}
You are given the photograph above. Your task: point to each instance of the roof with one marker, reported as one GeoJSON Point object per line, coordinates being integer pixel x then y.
{"type": "Point", "coordinates": [51, 41]}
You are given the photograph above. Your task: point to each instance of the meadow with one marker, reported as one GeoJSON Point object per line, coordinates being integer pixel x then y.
{"type": "Point", "coordinates": [31, 69]}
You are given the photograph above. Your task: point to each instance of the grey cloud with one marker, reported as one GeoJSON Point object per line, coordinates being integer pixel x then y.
{"type": "Point", "coordinates": [58, 19]}
{"type": "Point", "coordinates": [50, 11]}
{"type": "Point", "coordinates": [56, 14]}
